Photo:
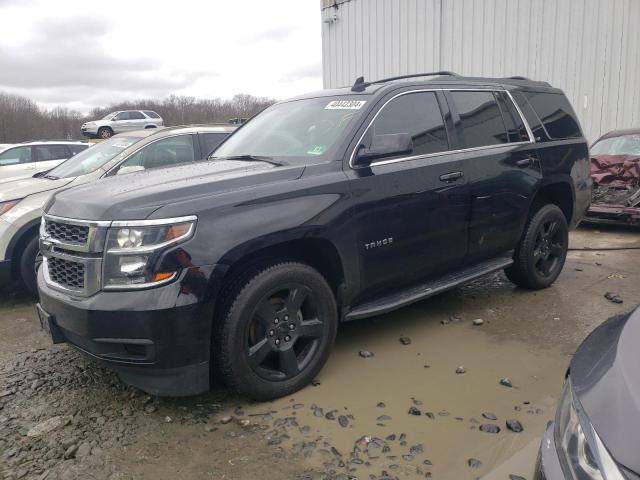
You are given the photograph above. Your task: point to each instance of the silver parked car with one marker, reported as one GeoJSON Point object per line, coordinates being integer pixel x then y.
{"type": "Point", "coordinates": [22, 201]}
{"type": "Point", "coordinates": [123, 121]}
{"type": "Point", "coordinates": [26, 159]}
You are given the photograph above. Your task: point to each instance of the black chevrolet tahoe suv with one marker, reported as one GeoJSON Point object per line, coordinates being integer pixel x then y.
{"type": "Point", "coordinates": [329, 207]}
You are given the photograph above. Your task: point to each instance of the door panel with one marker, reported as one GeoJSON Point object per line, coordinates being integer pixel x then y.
{"type": "Point", "coordinates": [501, 166]}
{"type": "Point", "coordinates": [411, 224]}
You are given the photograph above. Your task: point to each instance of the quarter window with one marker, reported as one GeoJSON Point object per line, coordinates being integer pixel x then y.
{"type": "Point", "coordinates": [151, 114]}
{"type": "Point", "coordinates": [555, 113]}
{"type": "Point", "coordinates": [417, 114]}
{"type": "Point", "coordinates": [480, 121]}
{"type": "Point", "coordinates": [15, 156]}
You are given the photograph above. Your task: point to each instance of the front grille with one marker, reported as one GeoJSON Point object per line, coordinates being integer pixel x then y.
{"type": "Point", "coordinates": [65, 232]}
{"type": "Point", "coordinates": [66, 273]}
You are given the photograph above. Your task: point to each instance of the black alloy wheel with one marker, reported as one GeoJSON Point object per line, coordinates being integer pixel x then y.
{"type": "Point", "coordinates": [284, 334]}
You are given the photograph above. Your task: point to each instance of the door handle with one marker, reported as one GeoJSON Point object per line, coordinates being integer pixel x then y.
{"type": "Point", "coordinates": [525, 162]}
{"type": "Point", "coordinates": [451, 177]}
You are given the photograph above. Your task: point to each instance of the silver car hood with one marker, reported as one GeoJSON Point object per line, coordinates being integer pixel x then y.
{"type": "Point", "coordinates": [18, 189]}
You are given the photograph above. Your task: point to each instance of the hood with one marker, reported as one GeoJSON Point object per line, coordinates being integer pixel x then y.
{"type": "Point", "coordinates": [135, 196]}
{"type": "Point", "coordinates": [605, 378]}
{"type": "Point", "coordinates": [615, 170]}
{"type": "Point", "coordinates": [28, 186]}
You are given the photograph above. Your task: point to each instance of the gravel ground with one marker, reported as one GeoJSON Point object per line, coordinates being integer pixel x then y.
{"type": "Point", "coordinates": [459, 386]}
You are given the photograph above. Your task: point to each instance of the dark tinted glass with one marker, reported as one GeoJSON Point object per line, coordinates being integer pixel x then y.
{"type": "Point", "coordinates": [556, 114]}
{"type": "Point", "coordinates": [151, 114]}
{"type": "Point", "coordinates": [417, 114]}
{"type": "Point", "coordinates": [512, 119]}
{"type": "Point", "coordinates": [51, 152]}
{"type": "Point", "coordinates": [136, 116]}
{"type": "Point", "coordinates": [481, 123]}
{"type": "Point", "coordinates": [211, 141]}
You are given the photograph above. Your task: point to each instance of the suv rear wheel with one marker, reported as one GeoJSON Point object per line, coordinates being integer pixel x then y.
{"type": "Point", "coordinates": [105, 132]}
{"type": "Point", "coordinates": [275, 330]}
{"type": "Point", "coordinates": [542, 250]}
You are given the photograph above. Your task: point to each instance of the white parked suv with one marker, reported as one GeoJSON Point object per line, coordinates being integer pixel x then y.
{"type": "Point", "coordinates": [123, 121]}
{"type": "Point", "coordinates": [26, 159]}
{"type": "Point", "coordinates": [22, 201]}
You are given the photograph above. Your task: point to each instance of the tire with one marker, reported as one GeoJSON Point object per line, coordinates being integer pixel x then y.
{"type": "Point", "coordinates": [105, 132]}
{"type": "Point", "coordinates": [28, 264]}
{"type": "Point", "coordinates": [542, 251]}
{"type": "Point", "coordinates": [274, 330]}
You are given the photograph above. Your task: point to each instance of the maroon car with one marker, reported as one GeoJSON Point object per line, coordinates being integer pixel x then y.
{"type": "Point", "coordinates": [615, 169]}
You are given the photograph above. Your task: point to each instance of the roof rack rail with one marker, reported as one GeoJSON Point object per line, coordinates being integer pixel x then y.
{"type": "Point", "coordinates": [359, 85]}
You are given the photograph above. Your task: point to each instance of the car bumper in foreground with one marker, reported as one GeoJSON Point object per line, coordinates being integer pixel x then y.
{"type": "Point", "coordinates": [157, 340]}
{"type": "Point", "coordinates": [613, 215]}
{"type": "Point", "coordinates": [548, 464]}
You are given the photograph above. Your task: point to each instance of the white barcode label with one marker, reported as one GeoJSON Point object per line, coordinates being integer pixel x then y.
{"type": "Point", "coordinates": [345, 105]}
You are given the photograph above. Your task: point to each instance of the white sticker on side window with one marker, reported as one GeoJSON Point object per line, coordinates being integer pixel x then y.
{"type": "Point", "coordinates": [345, 105]}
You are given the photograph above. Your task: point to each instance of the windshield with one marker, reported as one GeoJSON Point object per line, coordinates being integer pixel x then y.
{"type": "Point", "coordinates": [108, 117]}
{"type": "Point", "coordinates": [92, 158]}
{"type": "Point", "coordinates": [624, 145]}
{"type": "Point", "coordinates": [294, 131]}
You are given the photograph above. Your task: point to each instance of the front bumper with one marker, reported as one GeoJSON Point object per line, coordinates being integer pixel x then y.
{"type": "Point", "coordinates": [548, 464]}
{"type": "Point", "coordinates": [157, 340]}
{"type": "Point", "coordinates": [89, 131]}
{"type": "Point", "coordinates": [613, 215]}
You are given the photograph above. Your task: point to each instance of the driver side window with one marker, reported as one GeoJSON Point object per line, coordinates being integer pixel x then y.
{"type": "Point", "coordinates": [163, 153]}
{"type": "Point", "coordinates": [418, 115]}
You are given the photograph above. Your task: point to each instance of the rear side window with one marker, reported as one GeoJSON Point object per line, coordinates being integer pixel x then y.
{"type": "Point", "coordinates": [480, 121]}
{"type": "Point", "coordinates": [556, 114]}
{"type": "Point", "coordinates": [417, 114]}
{"type": "Point", "coordinates": [136, 116]}
{"type": "Point", "coordinates": [77, 148]}
{"type": "Point", "coordinates": [212, 140]}
{"type": "Point", "coordinates": [151, 114]}
{"type": "Point", "coordinates": [51, 152]}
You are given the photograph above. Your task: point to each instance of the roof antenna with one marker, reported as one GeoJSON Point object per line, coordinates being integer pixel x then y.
{"type": "Point", "coordinates": [359, 85]}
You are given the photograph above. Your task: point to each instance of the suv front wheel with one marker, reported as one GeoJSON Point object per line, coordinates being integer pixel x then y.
{"type": "Point", "coordinates": [542, 250]}
{"type": "Point", "coordinates": [275, 330]}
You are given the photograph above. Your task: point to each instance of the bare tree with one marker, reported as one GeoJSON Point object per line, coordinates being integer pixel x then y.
{"type": "Point", "coordinates": [21, 119]}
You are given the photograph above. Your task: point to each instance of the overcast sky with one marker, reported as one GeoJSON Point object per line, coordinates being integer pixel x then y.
{"type": "Point", "coordinates": [82, 54]}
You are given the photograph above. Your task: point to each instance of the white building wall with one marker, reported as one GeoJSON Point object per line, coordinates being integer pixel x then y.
{"type": "Point", "coordinates": [589, 48]}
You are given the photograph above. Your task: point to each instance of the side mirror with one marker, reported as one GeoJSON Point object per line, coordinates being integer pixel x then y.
{"type": "Point", "coordinates": [130, 169]}
{"type": "Point", "coordinates": [385, 146]}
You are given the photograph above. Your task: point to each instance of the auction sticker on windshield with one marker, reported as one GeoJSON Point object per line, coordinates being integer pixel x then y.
{"type": "Point", "coordinates": [345, 105]}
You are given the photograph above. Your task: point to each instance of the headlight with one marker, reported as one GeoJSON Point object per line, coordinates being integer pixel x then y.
{"type": "Point", "coordinates": [582, 454]}
{"type": "Point", "coordinates": [133, 247]}
{"type": "Point", "coordinates": [6, 206]}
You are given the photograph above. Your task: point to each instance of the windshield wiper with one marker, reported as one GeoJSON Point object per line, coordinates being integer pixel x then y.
{"type": "Point", "coordinates": [251, 158]}
{"type": "Point", "coordinates": [51, 177]}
